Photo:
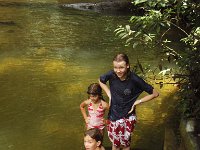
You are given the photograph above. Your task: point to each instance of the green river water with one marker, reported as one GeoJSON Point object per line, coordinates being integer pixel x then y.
{"type": "Point", "coordinates": [48, 57]}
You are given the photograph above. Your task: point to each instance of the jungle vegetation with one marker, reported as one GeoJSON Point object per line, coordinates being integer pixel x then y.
{"type": "Point", "coordinates": [151, 28]}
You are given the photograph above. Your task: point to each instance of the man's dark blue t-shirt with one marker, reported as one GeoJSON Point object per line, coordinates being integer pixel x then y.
{"type": "Point", "coordinates": [124, 93]}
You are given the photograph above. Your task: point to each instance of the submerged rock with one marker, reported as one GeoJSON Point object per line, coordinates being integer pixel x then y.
{"type": "Point", "coordinates": [7, 23]}
{"type": "Point", "coordinates": [81, 6]}
{"type": "Point", "coordinates": [114, 6]}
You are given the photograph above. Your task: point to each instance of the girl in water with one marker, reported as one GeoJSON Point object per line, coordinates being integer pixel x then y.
{"type": "Point", "coordinates": [96, 108]}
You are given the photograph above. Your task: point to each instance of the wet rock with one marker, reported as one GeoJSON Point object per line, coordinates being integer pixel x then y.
{"type": "Point", "coordinates": [189, 134]}
{"type": "Point", "coordinates": [7, 23]}
{"type": "Point", "coordinates": [81, 6]}
{"type": "Point", "coordinates": [108, 6]}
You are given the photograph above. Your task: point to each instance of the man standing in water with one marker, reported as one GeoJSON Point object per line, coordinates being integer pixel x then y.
{"type": "Point", "coordinates": [125, 87]}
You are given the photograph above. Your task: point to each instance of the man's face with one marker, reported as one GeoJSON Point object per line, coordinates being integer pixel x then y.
{"type": "Point", "coordinates": [121, 69]}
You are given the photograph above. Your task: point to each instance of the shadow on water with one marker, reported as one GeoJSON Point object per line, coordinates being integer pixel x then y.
{"type": "Point", "coordinates": [26, 5]}
{"type": "Point", "coordinates": [153, 117]}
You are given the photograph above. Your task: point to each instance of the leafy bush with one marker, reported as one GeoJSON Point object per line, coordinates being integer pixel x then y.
{"type": "Point", "coordinates": [151, 29]}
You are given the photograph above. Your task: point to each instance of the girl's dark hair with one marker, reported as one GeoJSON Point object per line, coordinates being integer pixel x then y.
{"type": "Point", "coordinates": [122, 57]}
{"type": "Point", "coordinates": [95, 89]}
{"type": "Point", "coordinates": [95, 133]}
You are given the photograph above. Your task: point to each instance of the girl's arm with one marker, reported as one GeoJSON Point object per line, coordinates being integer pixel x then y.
{"type": "Point", "coordinates": [106, 108]}
{"type": "Point", "coordinates": [145, 99]}
{"type": "Point", "coordinates": [83, 111]}
{"type": "Point", "coordinates": [105, 105]}
{"type": "Point", "coordinates": [106, 89]}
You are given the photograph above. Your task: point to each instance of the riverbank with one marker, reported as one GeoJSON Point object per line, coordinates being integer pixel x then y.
{"type": "Point", "coordinates": [189, 138]}
{"type": "Point", "coordinates": [190, 134]}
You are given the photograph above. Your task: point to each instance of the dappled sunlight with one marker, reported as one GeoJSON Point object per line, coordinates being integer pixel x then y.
{"type": "Point", "coordinates": [147, 114]}
{"type": "Point", "coordinates": [50, 125]}
{"type": "Point", "coordinates": [10, 63]}
{"type": "Point", "coordinates": [41, 51]}
{"type": "Point", "coordinates": [152, 109]}
{"type": "Point", "coordinates": [54, 66]}
{"type": "Point", "coordinates": [153, 115]}
{"type": "Point", "coordinates": [71, 89]}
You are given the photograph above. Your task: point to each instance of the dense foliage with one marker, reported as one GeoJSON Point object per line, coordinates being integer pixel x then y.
{"type": "Point", "coordinates": [152, 28]}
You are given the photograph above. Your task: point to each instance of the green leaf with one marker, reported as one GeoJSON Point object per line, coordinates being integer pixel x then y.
{"type": "Point", "coordinates": [136, 2]}
{"type": "Point", "coordinates": [118, 32]}
{"type": "Point", "coordinates": [128, 40]}
{"type": "Point", "coordinates": [135, 44]}
{"type": "Point", "coordinates": [158, 29]}
{"type": "Point", "coordinates": [195, 41]}
{"type": "Point", "coordinates": [120, 28]}
{"type": "Point", "coordinates": [128, 28]}
{"type": "Point", "coordinates": [123, 37]}
{"type": "Point", "coordinates": [147, 38]}
{"type": "Point", "coordinates": [163, 72]}
{"type": "Point", "coordinates": [137, 33]}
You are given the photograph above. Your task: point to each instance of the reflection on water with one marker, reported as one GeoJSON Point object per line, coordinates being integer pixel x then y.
{"type": "Point", "coordinates": [48, 57]}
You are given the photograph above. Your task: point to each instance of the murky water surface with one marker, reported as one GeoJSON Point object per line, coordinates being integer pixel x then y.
{"type": "Point", "coordinates": [48, 57]}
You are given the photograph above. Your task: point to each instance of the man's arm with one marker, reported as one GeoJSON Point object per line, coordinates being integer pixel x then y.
{"type": "Point", "coordinates": [106, 89]}
{"type": "Point", "coordinates": [145, 99]}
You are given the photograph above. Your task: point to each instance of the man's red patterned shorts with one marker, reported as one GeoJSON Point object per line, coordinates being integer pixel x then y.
{"type": "Point", "coordinates": [119, 131]}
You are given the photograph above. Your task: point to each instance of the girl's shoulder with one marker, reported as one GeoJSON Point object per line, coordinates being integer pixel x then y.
{"type": "Point", "coordinates": [88, 101]}
{"type": "Point", "coordinates": [102, 148]}
{"type": "Point", "coordinates": [104, 104]}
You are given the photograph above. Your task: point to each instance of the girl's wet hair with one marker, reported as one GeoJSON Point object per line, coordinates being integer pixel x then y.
{"type": "Point", "coordinates": [95, 133]}
{"type": "Point", "coordinates": [95, 89]}
{"type": "Point", "coordinates": [121, 57]}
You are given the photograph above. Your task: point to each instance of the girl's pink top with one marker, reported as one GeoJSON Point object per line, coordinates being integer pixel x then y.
{"type": "Point", "coordinates": [96, 117]}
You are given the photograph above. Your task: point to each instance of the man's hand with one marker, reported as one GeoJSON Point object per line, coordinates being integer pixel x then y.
{"type": "Point", "coordinates": [136, 103]}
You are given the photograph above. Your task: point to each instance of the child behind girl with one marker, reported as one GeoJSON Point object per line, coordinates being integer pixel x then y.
{"type": "Point", "coordinates": [96, 107]}
{"type": "Point", "coordinates": [93, 139]}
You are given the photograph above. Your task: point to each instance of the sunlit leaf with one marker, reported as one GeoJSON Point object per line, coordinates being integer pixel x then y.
{"type": "Point", "coordinates": [136, 2]}
{"type": "Point", "coordinates": [128, 28]}
{"type": "Point", "coordinates": [147, 38]}
{"type": "Point", "coordinates": [195, 41]}
{"type": "Point", "coordinates": [129, 39]}
{"type": "Point", "coordinates": [163, 72]}
{"type": "Point", "coordinates": [135, 44]}
{"type": "Point", "coordinates": [138, 33]}
{"type": "Point", "coordinates": [123, 37]}
{"type": "Point", "coordinates": [119, 31]}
